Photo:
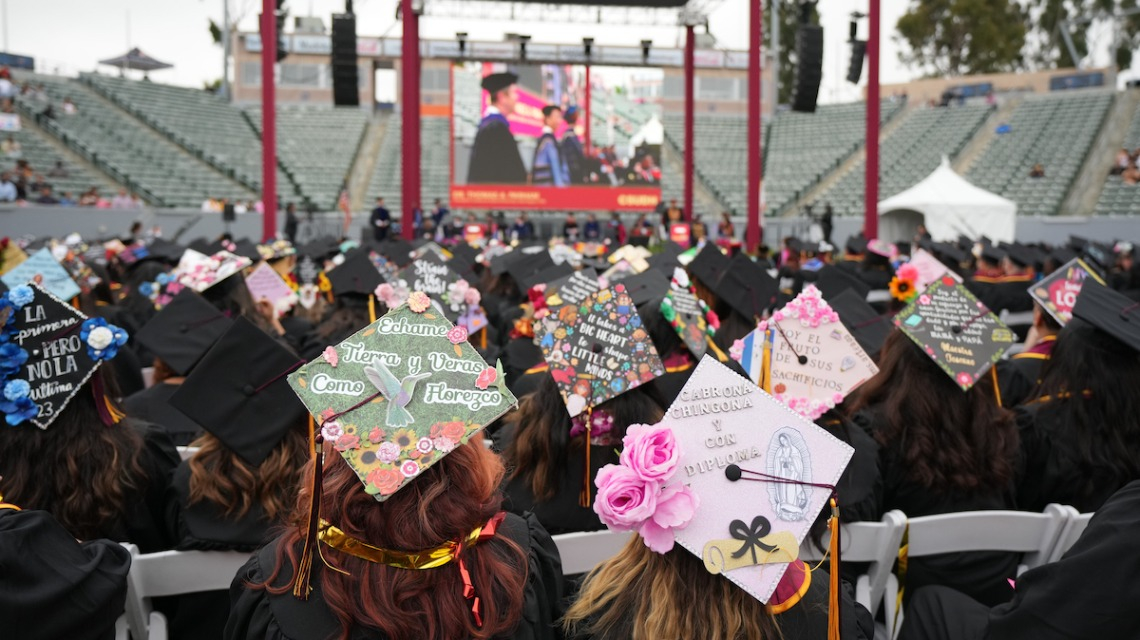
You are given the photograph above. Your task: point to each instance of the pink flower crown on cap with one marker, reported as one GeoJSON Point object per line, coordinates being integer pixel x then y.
{"type": "Point", "coordinates": [601, 423]}
{"type": "Point", "coordinates": [638, 494]}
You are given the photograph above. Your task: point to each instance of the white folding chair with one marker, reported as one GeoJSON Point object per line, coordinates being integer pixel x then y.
{"type": "Point", "coordinates": [1074, 527]}
{"type": "Point", "coordinates": [876, 543]}
{"type": "Point", "coordinates": [1016, 318]}
{"type": "Point", "coordinates": [878, 296]}
{"type": "Point", "coordinates": [581, 552]}
{"type": "Point", "coordinates": [186, 452]}
{"type": "Point", "coordinates": [170, 573]}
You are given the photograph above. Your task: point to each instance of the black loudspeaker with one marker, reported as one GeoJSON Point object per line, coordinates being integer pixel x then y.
{"type": "Point", "coordinates": [855, 71]}
{"type": "Point", "coordinates": [809, 67]}
{"type": "Point", "coordinates": [346, 84]}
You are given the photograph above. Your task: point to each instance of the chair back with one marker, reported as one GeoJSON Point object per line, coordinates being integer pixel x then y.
{"type": "Point", "coordinates": [581, 552]}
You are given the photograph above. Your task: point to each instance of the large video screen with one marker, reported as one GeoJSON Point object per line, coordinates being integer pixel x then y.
{"type": "Point", "coordinates": [519, 138]}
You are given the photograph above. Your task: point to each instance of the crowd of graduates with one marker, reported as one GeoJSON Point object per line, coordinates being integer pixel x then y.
{"type": "Point", "coordinates": [189, 418]}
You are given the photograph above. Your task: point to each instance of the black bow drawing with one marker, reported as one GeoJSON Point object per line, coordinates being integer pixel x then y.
{"type": "Point", "coordinates": [751, 536]}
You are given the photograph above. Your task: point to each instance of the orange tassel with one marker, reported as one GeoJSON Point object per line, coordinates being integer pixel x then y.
{"type": "Point", "coordinates": [312, 437]}
{"type": "Point", "coordinates": [584, 498]}
{"type": "Point", "coordinates": [301, 582]}
{"type": "Point", "coordinates": [997, 389]}
{"type": "Point", "coordinates": [833, 567]}
{"type": "Point", "coordinates": [371, 308]}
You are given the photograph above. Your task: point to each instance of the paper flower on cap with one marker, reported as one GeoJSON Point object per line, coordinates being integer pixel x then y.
{"type": "Point", "coordinates": [903, 289]}
{"type": "Point", "coordinates": [12, 357]}
{"type": "Point", "coordinates": [21, 295]}
{"type": "Point", "coordinates": [103, 340]}
{"type": "Point", "coordinates": [419, 301]}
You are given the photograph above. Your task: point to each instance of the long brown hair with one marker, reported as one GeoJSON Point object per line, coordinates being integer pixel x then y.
{"type": "Point", "coordinates": [641, 595]}
{"type": "Point", "coordinates": [948, 440]}
{"type": "Point", "coordinates": [446, 502]}
{"type": "Point", "coordinates": [542, 433]}
{"type": "Point", "coordinates": [220, 476]}
{"type": "Point", "coordinates": [81, 471]}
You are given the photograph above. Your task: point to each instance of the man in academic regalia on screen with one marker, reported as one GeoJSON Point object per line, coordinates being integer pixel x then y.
{"type": "Point", "coordinates": [573, 154]}
{"type": "Point", "coordinates": [495, 157]}
{"type": "Point", "coordinates": [548, 168]}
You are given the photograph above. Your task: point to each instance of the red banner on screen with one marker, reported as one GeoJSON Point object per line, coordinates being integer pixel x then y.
{"type": "Point", "coordinates": [555, 198]}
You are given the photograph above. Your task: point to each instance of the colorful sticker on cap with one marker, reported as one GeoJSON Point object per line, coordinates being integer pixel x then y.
{"type": "Point", "coordinates": [1057, 293]}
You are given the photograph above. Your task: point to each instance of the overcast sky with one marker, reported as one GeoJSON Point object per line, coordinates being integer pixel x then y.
{"type": "Point", "coordinates": [71, 35]}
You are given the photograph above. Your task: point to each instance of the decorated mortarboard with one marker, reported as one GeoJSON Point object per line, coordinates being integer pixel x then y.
{"type": "Point", "coordinates": [435, 278]}
{"type": "Point", "coordinates": [928, 269]}
{"type": "Point", "coordinates": [620, 271]}
{"type": "Point", "coordinates": [739, 477]}
{"type": "Point", "coordinates": [239, 394]}
{"type": "Point", "coordinates": [276, 250]}
{"type": "Point", "coordinates": [397, 250]}
{"type": "Point", "coordinates": [355, 276]}
{"type": "Point", "coordinates": [43, 269]}
{"type": "Point", "coordinates": [831, 280]}
{"type": "Point", "coordinates": [869, 327]}
{"type": "Point", "coordinates": [183, 331]}
{"type": "Point", "coordinates": [1099, 254]}
{"type": "Point", "coordinates": [11, 255]}
{"type": "Point", "coordinates": [264, 283]}
{"type": "Point", "coordinates": [1058, 292]}
{"type": "Point", "coordinates": [199, 272]}
{"type": "Point", "coordinates": [689, 316]}
{"type": "Point", "coordinates": [571, 289]}
{"type": "Point", "coordinates": [384, 266]}
{"type": "Point", "coordinates": [746, 287]}
{"type": "Point", "coordinates": [805, 356]}
{"type": "Point", "coordinates": [599, 350]}
{"type": "Point", "coordinates": [1111, 312]}
{"type": "Point", "coordinates": [956, 330]}
{"type": "Point", "coordinates": [49, 350]}
{"type": "Point", "coordinates": [308, 270]}
{"type": "Point", "coordinates": [637, 257]}
{"type": "Point", "coordinates": [400, 394]}
{"type": "Point", "coordinates": [433, 248]}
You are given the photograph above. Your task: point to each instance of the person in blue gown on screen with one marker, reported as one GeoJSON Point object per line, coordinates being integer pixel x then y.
{"type": "Point", "coordinates": [573, 154]}
{"type": "Point", "coordinates": [495, 157]}
{"type": "Point", "coordinates": [549, 167]}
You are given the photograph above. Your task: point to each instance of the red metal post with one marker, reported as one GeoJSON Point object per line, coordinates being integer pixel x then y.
{"type": "Point", "coordinates": [753, 234]}
{"type": "Point", "coordinates": [410, 79]}
{"type": "Point", "coordinates": [588, 112]}
{"type": "Point", "coordinates": [690, 145]}
{"type": "Point", "coordinates": [871, 179]}
{"type": "Point", "coordinates": [268, 120]}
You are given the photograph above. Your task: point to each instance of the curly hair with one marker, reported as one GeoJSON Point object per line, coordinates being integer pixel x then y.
{"type": "Point", "coordinates": [445, 502]}
{"type": "Point", "coordinates": [948, 440]}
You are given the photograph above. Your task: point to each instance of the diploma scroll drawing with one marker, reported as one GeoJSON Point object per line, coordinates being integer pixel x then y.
{"type": "Point", "coordinates": [751, 545]}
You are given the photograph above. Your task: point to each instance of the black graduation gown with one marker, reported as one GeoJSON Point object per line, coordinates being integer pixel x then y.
{"type": "Point", "coordinates": [203, 527]}
{"type": "Point", "coordinates": [982, 575]}
{"type": "Point", "coordinates": [145, 521]}
{"type": "Point", "coordinates": [54, 587]}
{"type": "Point", "coordinates": [302, 337]}
{"type": "Point", "coordinates": [860, 487]}
{"type": "Point", "coordinates": [1049, 469]}
{"type": "Point", "coordinates": [1089, 594]}
{"type": "Point", "coordinates": [1018, 376]}
{"type": "Point", "coordinates": [258, 615]}
{"type": "Point", "coordinates": [153, 405]}
{"type": "Point", "coordinates": [495, 157]}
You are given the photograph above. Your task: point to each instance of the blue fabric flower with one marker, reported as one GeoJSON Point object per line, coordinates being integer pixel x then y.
{"type": "Point", "coordinates": [103, 339]}
{"type": "Point", "coordinates": [16, 389]}
{"type": "Point", "coordinates": [146, 289]}
{"type": "Point", "coordinates": [164, 278]}
{"type": "Point", "coordinates": [21, 295]}
{"type": "Point", "coordinates": [17, 411]}
{"type": "Point", "coordinates": [12, 357]}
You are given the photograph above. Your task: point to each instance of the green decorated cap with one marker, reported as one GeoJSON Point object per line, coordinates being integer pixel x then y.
{"type": "Point", "coordinates": [400, 394]}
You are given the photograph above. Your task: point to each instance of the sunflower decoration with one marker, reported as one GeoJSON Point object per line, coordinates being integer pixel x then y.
{"type": "Point", "coordinates": [904, 285]}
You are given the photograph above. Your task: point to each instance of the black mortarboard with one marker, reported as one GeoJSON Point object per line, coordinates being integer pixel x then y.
{"type": "Point", "coordinates": [950, 254]}
{"type": "Point", "coordinates": [320, 248]}
{"type": "Point", "coordinates": [183, 331]}
{"type": "Point", "coordinates": [465, 252]}
{"type": "Point", "coordinates": [746, 287]}
{"type": "Point", "coordinates": [240, 394]}
{"type": "Point", "coordinates": [165, 250]}
{"type": "Point", "coordinates": [832, 280]}
{"type": "Point", "coordinates": [356, 275]}
{"type": "Point", "coordinates": [1062, 255]}
{"type": "Point", "coordinates": [201, 245]}
{"type": "Point", "coordinates": [666, 260]}
{"type": "Point", "coordinates": [646, 286]}
{"type": "Point", "coordinates": [526, 267]}
{"type": "Point", "coordinates": [546, 276]}
{"type": "Point", "coordinates": [1109, 311]}
{"type": "Point", "coordinates": [498, 81]}
{"type": "Point", "coordinates": [396, 250]}
{"type": "Point", "coordinates": [992, 254]}
{"type": "Point", "coordinates": [708, 266]}
{"type": "Point", "coordinates": [856, 244]}
{"type": "Point", "coordinates": [1101, 254]}
{"type": "Point", "coordinates": [868, 327]}
{"type": "Point", "coordinates": [1077, 243]}
{"type": "Point", "coordinates": [503, 261]}
{"type": "Point", "coordinates": [1020, 255]}
{"type": "Point", "coordinates": [247, 248]}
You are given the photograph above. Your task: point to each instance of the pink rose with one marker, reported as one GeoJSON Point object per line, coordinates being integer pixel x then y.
{"type": "Point", "coordinates": [384, 291]}
{"type": "Point", "coordinates": [651, 452]}
{"type": "Point", "coordinates": [908, 272]}
{"type": "Point", "coordinates": [388, 452]}
{"type": "Point", "coordinates": [472, 297]}
{"type": "Point", "coordinates": [419, 301]}
{"type": "Point", "coordinates": [676, 505]}
{"type": "Point", "coordinates": [331, 356]}
{"type": "Point", "coordinates": [375, 435]}
{"type": "Point", "coordinates": [624, 500]}
{"type": "Point", "coordinates": [457, 334]}
{"type": "Point", "coordinates": [347, 442]}
{"type": "Point", "coordinates": [332, 431]}
{"type": "Point", "coordinates": [444, 444]}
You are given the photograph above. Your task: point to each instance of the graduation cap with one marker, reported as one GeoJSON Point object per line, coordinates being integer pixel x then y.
{"type": "Point", "coordinates": [647, 286]}
{"type": "Point", "coordinates": [666, 260]}
{"type": "Point", "coordinates": [746, 287]}
{"type": "Point", "coordinates": [991, 254]}
{"type": "Point", "coordinates": [1111, 312]}
{"type": "Point", "coordinates": [501, 262]}
{"type": "Point", "coordinates": [951, 253]}
{"type": "Point", "coordinates": [43, 269]}
{"type": "Point", "coordinates": [247, 248]}
{"type": "Point", "coordinates": [396, 250]}
{"type": "Point", "coordinates": [165, 250]}
{"type": "Point", "coordinates": [805, 356]}
{"type": "Point", "coordinates": [276, 250]}
{"type": "Point", "coordinates": [1062, 255]}
{"type": "Point", "coordinates": [498, 81]}
{"type": "Point", "coordinates": [758, 492]}
{"type": "Point", "coordinates": [51, 350]}
{"type": "Point", "coordinates": [1077, 243]}
{"type": "Point", "coordinates": [239, 394]}
{"type": "Point", "coordinates": [867, 325]}
{"type": "Point", "coordinates": [687, 314]}
{"type": "Point", "coordinates": [546, 276]}
{"type": "Point", "coordinates": [708, 266]}
{"type": "Point", "coordinates": [183, 331]}
{"type": "Point", "coordinates": [355, 276]}
{"type": "Point", "coordinates": [320, 249]}
{"type": "Point", "coordinates": [571, 289]}
{"type": "Point", "coordinates": [928, 269]}
{"type": "Point", "coordinates": [464, 251]}
{"type": "Point", "coordinates": [201, 245]}
{"type": "Point", "coordinates": [956, 330]}
{"type": "Point", "coordinates": [856, 244]}
{"type": "Point", "coordinates": [529, 265]}
{"type": "Point", "coordinates": [200, 272]}
{"type": "Point", "coordinates": [1099, 254]}
{"type": "Point", "coordinates": [831, 280]}
{"type": "Point", "coordinates": [400, 394]}
{"type": "Point", "coordinates": [430, 275]}
{"type": "Point", "coordinates": [599, 350]}
{"type": "Point", "coordinates": [1059, 291]}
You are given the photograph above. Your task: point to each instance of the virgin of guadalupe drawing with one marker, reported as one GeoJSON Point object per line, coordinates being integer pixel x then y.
{"type": "Point", "coordinates": [789, 459]}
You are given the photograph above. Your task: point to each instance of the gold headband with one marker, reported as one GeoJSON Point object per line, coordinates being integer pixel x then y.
{"type": "Point", "coordinates": [426, 559]}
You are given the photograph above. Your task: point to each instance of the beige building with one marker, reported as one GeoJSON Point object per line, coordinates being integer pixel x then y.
{"type": "Point", "coordinates": [928, 89]}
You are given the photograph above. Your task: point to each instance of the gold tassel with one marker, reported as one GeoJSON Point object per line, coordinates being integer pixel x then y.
{"type": "Point", "coordinates": [312, 437]}
{"type": "Point", "coordinates": [766, 366]}
{"type": "Point", "coordinates": [301, 582]}
{"type": "Point", "coordinates": [997, 389]}
{"type": "Point", "coordinates": [833, 567]}
{"type": "Point", "coordinates": [584, 497]}
{"type": "Point", "coordinates": [371, 308]}
{"type": "Point", "coordinates": [716, 350]}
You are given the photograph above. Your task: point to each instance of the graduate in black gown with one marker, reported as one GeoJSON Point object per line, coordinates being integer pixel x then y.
{"type": "Point", "coordinates": [1080, 435]}
{"type": "Point", "coordinates": [178, 337]}
{"type": "Point", "coordinates": [942, 450]}
{"type": "Point", "coordinates": [1019, 375]}
{"type": "Point", "coordinates": [1089, 594]}
{"type": "Point", "coordinates": [54, 586]}
{"type": "Point", "coordinates": [353, 285]}
{"type": "Point", "coordinates": [495, 157]}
